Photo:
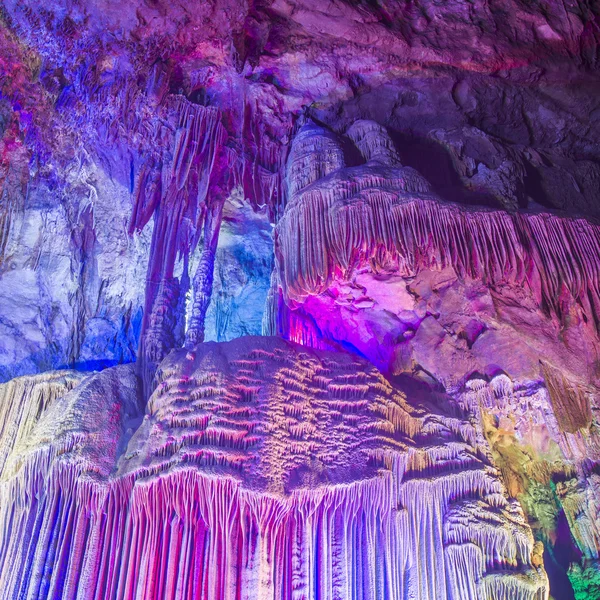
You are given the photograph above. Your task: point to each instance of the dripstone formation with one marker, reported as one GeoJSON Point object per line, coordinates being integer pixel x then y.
{"type": "Point", "coordinates": [299, 301]}
{"type": "Point", "coordinates": [233, 486]}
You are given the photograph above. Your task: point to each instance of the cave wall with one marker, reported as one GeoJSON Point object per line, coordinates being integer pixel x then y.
{"type": "Point", "coordinates": [494, 107]}
{"type": "Point", "coordinates": [415, 184]}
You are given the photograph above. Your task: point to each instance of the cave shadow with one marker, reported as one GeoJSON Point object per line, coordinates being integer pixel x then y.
{"type": "Point", "coordinates": [46, 360]}
{"type": "Point", "coordinates": [558, 557]}
{"type": "Point", "coordinates": [435, 163]}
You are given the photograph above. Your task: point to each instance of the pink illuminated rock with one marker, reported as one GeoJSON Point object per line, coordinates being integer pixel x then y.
{"type": "Point", "coordinates": [385, 213]}
{"type": "Point", "coordinates": [369, 256]}
{"type": "Point", "coordinates": [498, 310]}
{"type": "Point", "coordinates": [261, 469]}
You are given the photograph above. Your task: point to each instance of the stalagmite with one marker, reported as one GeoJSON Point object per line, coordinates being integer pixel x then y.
{"type": "Point", "coordinates": [314, 154]}
{"type": "Point", "coordinates": [373, 143]}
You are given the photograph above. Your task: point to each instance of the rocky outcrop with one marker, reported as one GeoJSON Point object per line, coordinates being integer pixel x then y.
{"type": "Point", "coordinates": [495, 107]}
{"type": "Point", "coordinates": [233, 486]}
{"type": "Point", "coordinates": [381, 213]}
{"type": "Point", "coordinates": [370, 258]}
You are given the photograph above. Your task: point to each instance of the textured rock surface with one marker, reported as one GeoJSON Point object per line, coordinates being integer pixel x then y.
{"type": "Point", "coordinates": [374, 259]}
{"type": "Point", "coordinates": [461, 298]}
{"type": "Point", "coordinates": [234, 487]}
{"type": "Point", "coordinates": [415, 183]}
{"type": "Point", "coordinates": [496, 106]}
{"type": "Point", "coordinates": [72, 282]}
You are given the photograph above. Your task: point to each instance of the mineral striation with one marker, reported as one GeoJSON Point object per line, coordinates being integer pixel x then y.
{"type": "Point", "coordinates": [260, 469]}
{"type": "Point", "coordinates": [299, 300]}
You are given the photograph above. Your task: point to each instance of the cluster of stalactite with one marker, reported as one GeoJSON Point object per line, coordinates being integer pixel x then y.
{"type": "Point", "coordinates": [23, 400]}
{"type": "Point", "coordinates": [233, 486]}
{"type": "Point", "coordinates": [384, 216]}
{"type": "Point", "coordinates": [183, 189]}
{"type": "Point", "coordinates": [262, 157]}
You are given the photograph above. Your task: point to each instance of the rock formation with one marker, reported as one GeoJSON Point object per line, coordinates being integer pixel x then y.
{"type": "Point", "coordinates": [496, 309]}
{"type": "Point", "coordinates": [233, 486]}
{"type": "Point", "coordinates": [299, 300]}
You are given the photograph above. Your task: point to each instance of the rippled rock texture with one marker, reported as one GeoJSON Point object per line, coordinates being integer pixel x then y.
{"type": "Point", "coordinates": [261, 469]}
{"type": "Point", "coordinates": [402, 197]}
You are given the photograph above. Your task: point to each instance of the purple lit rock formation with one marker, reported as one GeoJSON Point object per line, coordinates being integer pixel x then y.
{"type": "Point", "coordinates": [299, 300]}
{"type": "Point", "coordinates": [233, 486]}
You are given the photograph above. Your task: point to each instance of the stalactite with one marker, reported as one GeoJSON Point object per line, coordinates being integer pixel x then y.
{"type": "Point", "coordinates": [14, 175]}
{"type": "Point", "coordinates": [146, 195]}
{"type": "Point", "coordinates": [233, 487]}
{"type": "Point", "coordinates": [580, 504]}
{"type": "Point", "coordinates": [83, 239]}
{"type": "Point", "coordinates": [263, 158]}
{"type": "Point", "coordinates": [570, 402]}
{"type": "Point", "coordinates": [177, 199]}
{"type": "Point", "coordinates": [384, 215]}
{"type": "Point", "coordinates": [203, 279]}
{"type": "Point", "coordinates": [24, 400]}
{"type": "Point", "coordinates": [159, 335]}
